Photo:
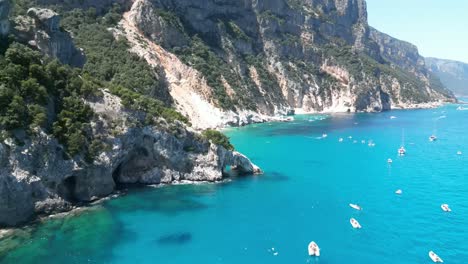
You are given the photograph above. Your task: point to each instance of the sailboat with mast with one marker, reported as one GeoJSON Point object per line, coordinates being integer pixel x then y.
{"type": "Point", "coordinates": [402, 150]}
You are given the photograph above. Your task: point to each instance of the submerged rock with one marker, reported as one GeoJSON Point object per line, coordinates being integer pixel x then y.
{"type": "Point", "coordinates": [179, 238]}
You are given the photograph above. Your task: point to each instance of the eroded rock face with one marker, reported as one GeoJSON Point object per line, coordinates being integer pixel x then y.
{"type": "Point", "coordinates": [16, 202]}
{"type": "Point", "coordinates": [316, 55]}
{"type": "Point", "coordinates": [41, 29]}
{"type": "Point", "coordinates": [37, 178]}
{"type": "Point", "coordinates": [159, 29]}
{"type": "Point", "coordinates": [101, 6]}
{"type": "Point", "coordinates": [453, 74]}
{"type": "Point", "coordinates": [5, 7]}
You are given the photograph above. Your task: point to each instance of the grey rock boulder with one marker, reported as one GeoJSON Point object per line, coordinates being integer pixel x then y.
{"type": "Point", "coordinates": [41, 29]}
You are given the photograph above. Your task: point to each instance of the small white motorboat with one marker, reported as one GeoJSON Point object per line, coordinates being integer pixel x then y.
{"type": "Point", "coordinates": [432, 138]}
{"type": "Point", "coordinates": [340, 140]}
{"type": "Point", "coordinates": [363, 142]}
{"type": "Point", "coordinates": [324, 135]}
{"type": "Point", "coordinates": [393, 117]}
{"type": "Point", "coordinates": [355, 223]}
{"type": "Point", "coordinates": [445, 208]}
{"type": "Point", "coordinates": [399, 191]}
{"type": "Point", "coordinates": [314, 249]}
{"type": "Point", "coordinates": [355, 142]}
{"type": "Point", "coordinates": [371, 143]}
{"type": "Point", "coordinates": [350, 137]}
{"type": "Point", "coordinates": [459, 153]}
{"type": "Point", "coordinates": [402, 151]}
{"type": "Point", "coordinates": [434, 257]}
{"type": "Point", "coordinates": [462, 108]}
{"type": "Point", "coordinates": [390, 161]}
{"type": "Point", "coordinates": [355, 206]}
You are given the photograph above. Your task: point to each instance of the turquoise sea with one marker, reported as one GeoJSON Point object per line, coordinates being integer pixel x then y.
{"type": "Point", "coordinates": [303, 196]}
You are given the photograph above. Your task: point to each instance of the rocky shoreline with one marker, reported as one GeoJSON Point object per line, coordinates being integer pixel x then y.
{"type": "Point", "coordinates": [37, 186]}
{"type": "Point", "coordinates": [37, 178]}
{"type": "Point", "coordinates": [76, 210]}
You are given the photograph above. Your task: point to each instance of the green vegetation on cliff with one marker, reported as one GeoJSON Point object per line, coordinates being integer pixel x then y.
{"type": "Point", "coordinates": [362, 66]}
{"type": "Point", "coordinates": [218, 138]}
{"type": "Point", "coordinates": [37, 93]}
{"type": "Point", "coordinates": [108, 58]}
{"type": "Point", "coordinates": [218, 74]}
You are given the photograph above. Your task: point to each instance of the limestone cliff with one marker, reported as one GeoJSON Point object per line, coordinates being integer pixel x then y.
{"type": "Point", "coordinates": [233, 62]}
{"type": "Point", "coordinates": [132, 144]}
{"type": "Point", "coordinates": [270, 56]}
{"type": "Point", "coordinates": [39, 177]}
{"type": "Point", "coordinates": [41, 29]}
{"type": "Point", "coordinates": [453, 74]}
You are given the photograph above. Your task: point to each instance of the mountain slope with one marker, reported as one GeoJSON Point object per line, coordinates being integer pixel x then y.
{"type": "Point", "coordinates": [235, 62]}
{"type": "Point", "coordinates": [453, 74]}
{"type": "Point", "coordinates": [269, 56]}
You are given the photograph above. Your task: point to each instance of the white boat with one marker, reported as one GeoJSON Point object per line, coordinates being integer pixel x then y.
{"type": "Point", "coordinates": [324, 135]}
{"type": "Point", "coordinates": [459, 153]}
{"type": "Point", "coordinates": [445, 208]}
{"type": "Point", "coordinates": [286, 119]}
{"type": "Point", "coordinates": [341, 140]}
{"type": "Point", "coordinates": [355, 206]}
{"type": "Point", "coordinates": [462, 108]}
{"type": "Point", "coordinates": [314, 249]}
{"type": "Point", "coordinates": [350, 137]}
{"type": "Point", "coordinates": [363, 142]}
{"type": "Point", "coordinates": [433, 137]}
{"type": "Point", "coordinates": [371, 144]}
{"type": "Point", "coordinates": [402, 151]}
{"type": "Point", "coordinates": [355, 223]}
{"type": "Point", "coordinates": [390, 161]}
{"type": "Point", "coordinates": [434, 257]}
{"type": "Point", "coordinates": [393, 117]}
{"type": "Point", "coordinates": [399, 192]}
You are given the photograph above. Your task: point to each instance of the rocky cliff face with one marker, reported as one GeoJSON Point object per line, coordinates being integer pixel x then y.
{"type": "Point", "coordinates": [247, 60]}
{"type": "Point", "coordinates": [453, 74]}
{"type": "Point", "coordinates": [5, 7]}
{"type": "Point", "coordinates": [270, 56]}
{"type": "Point", "coordinates": [41, 29]}
{"type": "Point", "coordinates": [39, 178]}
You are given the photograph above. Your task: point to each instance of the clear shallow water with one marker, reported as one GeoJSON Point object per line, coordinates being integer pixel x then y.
{"type": "Point", "coordinates": [303, 196]}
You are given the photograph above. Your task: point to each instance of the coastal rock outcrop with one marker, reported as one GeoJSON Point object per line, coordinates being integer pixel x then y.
{"type": "Point", "coordinates": [41, 29]}
{"type": "Point", "coordinates": [38, 176]}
